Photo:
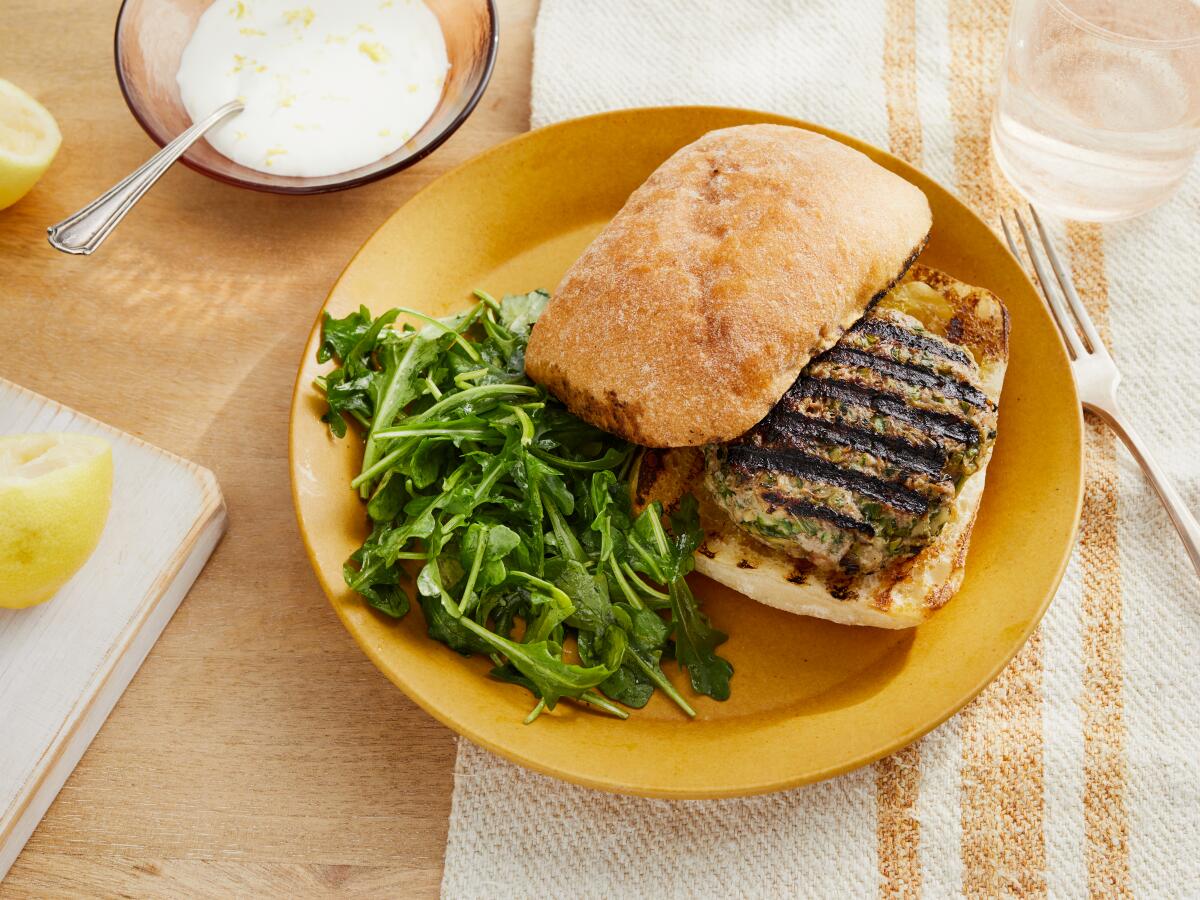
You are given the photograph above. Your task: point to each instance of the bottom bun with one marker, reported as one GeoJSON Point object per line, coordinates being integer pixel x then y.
{"type": "Point", "coordinates": [901, 596]}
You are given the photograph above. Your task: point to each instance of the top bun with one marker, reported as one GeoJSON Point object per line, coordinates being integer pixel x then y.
{"type": "Point", "coordinates": [743, 256]}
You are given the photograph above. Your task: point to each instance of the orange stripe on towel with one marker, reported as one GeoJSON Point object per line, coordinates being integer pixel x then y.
{"type": "Point", "coordinates": [898, 833]}
{"type": "Point", "coordinates": [1105, 819]}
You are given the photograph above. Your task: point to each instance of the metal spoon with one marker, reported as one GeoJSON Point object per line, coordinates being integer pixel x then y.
{"type": "Point", "coordinates": [86, 230]}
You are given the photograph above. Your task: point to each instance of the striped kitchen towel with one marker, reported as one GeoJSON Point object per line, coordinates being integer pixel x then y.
{"type": "Point", "coordinates": [1076, 772]}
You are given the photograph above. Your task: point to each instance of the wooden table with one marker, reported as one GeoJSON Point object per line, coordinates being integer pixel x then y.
{"type": "Point", "coordinates": [257, 751]}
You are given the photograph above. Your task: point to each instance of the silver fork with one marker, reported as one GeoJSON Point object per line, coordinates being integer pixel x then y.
{"type": "Point", "coordinates": [1096, 375]}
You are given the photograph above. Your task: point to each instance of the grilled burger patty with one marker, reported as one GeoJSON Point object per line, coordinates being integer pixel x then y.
{"type": "Point", "coordinates": [859, 463]}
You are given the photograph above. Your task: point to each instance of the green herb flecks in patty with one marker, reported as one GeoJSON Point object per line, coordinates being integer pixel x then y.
{"type": "Point", "coordinates": [860, 462]}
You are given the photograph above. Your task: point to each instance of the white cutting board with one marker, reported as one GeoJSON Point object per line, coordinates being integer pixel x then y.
{"type": "Point", "coordinates": [64, 664]}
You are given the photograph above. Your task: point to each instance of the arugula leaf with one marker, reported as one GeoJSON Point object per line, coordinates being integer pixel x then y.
{"type": "Point", "coordinates": [541, 662]}
{"type": "Point", "coordinates": [628, 685]}
{"type": "Point", "coordinates": [668, 562]}
{"type": "Point", "coordinates": [685, 526]}
{"type": "Point", "coordinates": [589, 594]}
{"type": "Point", "coordinates": [696, 642]}
{"type": "Point", "coordinates": [526, 477]}
{"type": "Point", "coordinates": [547, 613]}
{"type": "Point", "coordinates": [513, 513]}
{"type": "Point", "coordinates": [386, 597]}
{"type": "Point", "coordinates": [648, 642]}
{"type": "Point", "coordinates": [425, 463]}
{"type": "Point", "coordinates": [501, 541]}
{"type": "Point", "coordinates": [338, 336]}
{"type": "Point", "coordinates": [377, 583]}
{"type": "Point", "coordinates": [389, 499]}
{"type": "Point", "coordinates": [519, 312]}
{"type": "Point", "coordinates": [449, 630]}
{"type": "Point", "coordinates": [482, 555]}
{"type": "Point", "coordinates": [398, 384]}
{"type": "Point", "coordinates": [347, 397]}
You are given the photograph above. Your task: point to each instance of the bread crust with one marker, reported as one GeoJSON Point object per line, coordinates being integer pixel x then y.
{"type": "Point", "coordinates": [742, 256]}
{"type": "Point", "coordinates": [904, 594]}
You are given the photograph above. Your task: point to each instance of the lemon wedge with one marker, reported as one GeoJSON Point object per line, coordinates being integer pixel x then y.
{"type": "Point", "coordinates": [29, 138]}
{"type": "Point", "coordinates": [55, 491]}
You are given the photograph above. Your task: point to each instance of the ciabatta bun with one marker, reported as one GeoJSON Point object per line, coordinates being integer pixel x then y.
{"type": "Point", "coordinates": [900, 596]}
{"type": "Point", "coordinates": [744, 255]}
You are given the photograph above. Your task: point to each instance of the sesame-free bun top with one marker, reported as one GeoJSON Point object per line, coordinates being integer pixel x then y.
{"type": "Point", "coordinates": [742, 256]}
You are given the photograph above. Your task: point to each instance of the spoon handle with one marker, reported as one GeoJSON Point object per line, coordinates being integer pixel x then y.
{"type": "Point", "coordinates": [86, 230]}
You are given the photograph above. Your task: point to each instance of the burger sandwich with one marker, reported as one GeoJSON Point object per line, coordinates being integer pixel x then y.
{"type": "Point", "coordinates": [756, 316]}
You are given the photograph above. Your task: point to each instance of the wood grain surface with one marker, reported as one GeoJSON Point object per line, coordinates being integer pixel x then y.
{"type": "Point", "coordinates": [257, 752]}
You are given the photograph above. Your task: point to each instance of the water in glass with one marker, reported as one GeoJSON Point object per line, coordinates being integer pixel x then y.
{"type": "Point", "coordinates": [1098, 113]}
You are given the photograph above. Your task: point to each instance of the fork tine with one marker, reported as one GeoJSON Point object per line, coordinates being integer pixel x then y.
{"type": "Point", "coordinates": [1012, 245]}
{"type": "Point", "coordinates": [1068, 286]}
{"type": "Point", "coordinates": [1061, 316]}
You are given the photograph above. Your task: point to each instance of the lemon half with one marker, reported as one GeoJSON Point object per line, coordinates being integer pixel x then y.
{"type": "Point", "coordinates": [29, 138]}
{"type": "Point", "coordinates": [55, 492]}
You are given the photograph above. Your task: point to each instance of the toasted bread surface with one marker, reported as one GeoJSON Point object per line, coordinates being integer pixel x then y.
{"type": "Point", "coordinates": [744, 255]}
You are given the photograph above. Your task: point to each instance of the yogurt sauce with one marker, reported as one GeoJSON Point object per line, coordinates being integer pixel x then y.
{"type": "Point", "coordinates": [328, 86]}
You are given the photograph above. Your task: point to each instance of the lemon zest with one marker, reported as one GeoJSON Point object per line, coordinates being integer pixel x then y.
{"type": "Point", "coordinates": [376, 52]}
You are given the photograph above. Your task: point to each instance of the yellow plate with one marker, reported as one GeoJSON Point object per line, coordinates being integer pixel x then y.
{"type": "Point", "coordinates": [810, 699]}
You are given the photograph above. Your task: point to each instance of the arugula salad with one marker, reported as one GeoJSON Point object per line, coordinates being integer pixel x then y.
{"type": "Point", "coordinates": [511, 515]}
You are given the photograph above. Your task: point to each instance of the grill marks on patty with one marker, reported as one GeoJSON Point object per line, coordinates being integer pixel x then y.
{"type": "Point", "coordinates": [812, 511]}
{"type": "Point", "coordinates": [788, 428]}
{"type": "Point", "coordinates": [750, 460]}
{"type": "Point", "coordinates": [870, 441]}
{"type": "Point", "coordinates": [882, 326]}
{"type": "Point", "coordinates": [908, 373]}
{"type": "Point", "coordinates": [944, 425]}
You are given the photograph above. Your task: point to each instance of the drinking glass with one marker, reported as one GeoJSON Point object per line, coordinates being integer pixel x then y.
{"type": "Point", "coordinates": [1098, 112]}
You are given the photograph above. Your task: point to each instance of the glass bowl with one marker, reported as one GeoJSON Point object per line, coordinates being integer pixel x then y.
{"type": "Point", "coordinates": [150, 38]}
